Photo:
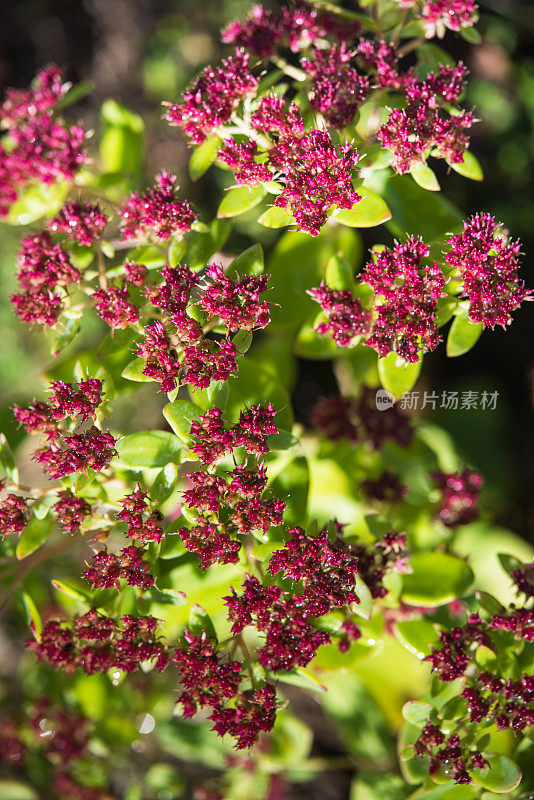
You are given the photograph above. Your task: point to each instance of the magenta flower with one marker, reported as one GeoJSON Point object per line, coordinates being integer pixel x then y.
{"type": "Point", "coordinates": [382, 57]}
{"type": "Point", "coordinates": [71, 510]}
{"type": "Point", "coordinates": [172, 295]}
{"type": "Point", "coordinates": [108, 569]}
{"type": "Point", "coordinates": [204, 678]}
{"type": "Point", "coordinates": [407, 293]}
{"type": "Point", "coordinates": [95, 643]}
{"type": "Point", "coordinates": [157, 212]}
{"type": "Point", "coordinates": [437, 15]}
{"type": "Point", "coordinates": [488, 263]}
{"type": "Point", "coordinates": [77, 452]}
{"type": "Point", "coordinates": [337, 89]}
{"type": "Point", "coordinates": [345, 316]}
{"type": "Point", "coordinates": [235, 301]}
{"type": "Point", "coordinates": [161, 363]}
{"type": "Point", "coordinates": [207, 361]}
{"type": "Point", "coordinates": [83, 222]}
{"type": "Point", "coordinates": [459, 496]}
{"type": "Point", "coordinates": [411, 133]}
{"type": "Point", "coordinates": [13, 514]}
{"type": "Point", "coordinates": [41, 148]}
{"type": "Point", "coordinates": [142, 523]}
{"type": "Point", "coordinates": [212, 98]}
{"type": "Point", "coordinates": [115, 307]}
{"type": "Point", "coordinates": [241, 158]}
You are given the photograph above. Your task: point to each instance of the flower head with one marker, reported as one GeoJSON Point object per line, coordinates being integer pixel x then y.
{"type": "Point", "coordinates": [345, 316]}
{"type": "Point", "coordinates": [337, 88]}
{"type": "Point", "coordinates": [157, 211]}
{"type": "Point", "coordinates": [83, 222]}
{"type": "Point", "coordinates": [488, 263]}
{"type": "Point", "coordinates": [209, 102]}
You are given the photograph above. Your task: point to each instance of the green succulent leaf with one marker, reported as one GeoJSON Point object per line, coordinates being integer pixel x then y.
{"type": "Point", "coordinates": [240, 199]}
{"type": "Point", "coordinates": [436, 579]}
{"type": "Point", "coordinates": [369, 212]}
{"type": "Point", "coordinates": [463, 335]}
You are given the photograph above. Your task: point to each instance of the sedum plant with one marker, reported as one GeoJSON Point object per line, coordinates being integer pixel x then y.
{"type": "Point", "coordinates": [182, 587]}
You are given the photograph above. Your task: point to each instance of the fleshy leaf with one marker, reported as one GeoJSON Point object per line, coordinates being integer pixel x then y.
{"type": "Point", "coordinates": [437, 578]}
{"type": "Point", "coordinates": [369, 212]}
{"type": "Point", "coordinates": [240, 199]}
{"type": "Point", "coordinates": [463, 335]}
{"type": "Point", "coordinates": [396, 375]}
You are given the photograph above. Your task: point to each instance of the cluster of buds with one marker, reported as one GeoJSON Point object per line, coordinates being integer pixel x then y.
{"type": "Point", "coordinates": [439, 15]}
{"type": "Point", "coordinates": [44, 272]}
{"type": "Point", "coordinates": [407, 292]}
{"type": "Point", "coordinates": [213, 437]}
{"type": "Point", "coordinates": [208, 681]}
{"type": "Point", "coordinates": [108, 569]}
{"type": "Point", "coordinates": [13, 514]}
{"type": "Point", "coordinates": [487, 698]}
{"type": "Point", "coordinates": [234, 503]}
{"type": "Point", "coordinates": [448, 753]}
{"type": "Point", "coordinates": [214, 96]}
{"type": "Point", "coordinates": [56, 734]}
{"type": "Point", "coordinates": [358, 420]}
{"type": "Point", "coordinates": [297, 27]}
{"type": "Point", "coordinates": [423, 126]}
{"type": "Point", "coordinates": [95, 643]}
{"type": "Point", "coordinates": [381, 57]}
{"type": "Point", "coordinates": [337, 88]}
{"type": "Point", "coordinates": [142, 523]}
{"type": "Point", "coordinates": [71, 510]}
{"type": "Point", "coordinates": [66, 452]}
{"type": "Point", "coordinates": [487, 263]}
{"type": "Point", "coordinates": [83, 222]}
{"type": "Point", "coordinates": [38, 145]}
{"type": "Point", "coordinates": [387, 555]}
{"type": "Point", "coordinates": [322, 576]}
{"type": "Point", "coordinates": [455, 656]}
{"type": "Point", "coordinates": [182, 350]}
{"type": "Point", "coordinates": [459, 496]}
{"type": "Point", "coordinates": [314, 175]}
{"type": "Point", "coordinates": [345, 317]}
{"type": "Point", "coordinates": [157, 212]}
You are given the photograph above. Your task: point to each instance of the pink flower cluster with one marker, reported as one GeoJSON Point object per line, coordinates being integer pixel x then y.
{"type": "Point", "coordinates": [157, 212]}
{"type": "Point", "coordinates": [234, 302]}
{"type": "Point", "coordinates": [422, 126]}
{"type": "Point", "coordinates": [459, 496]}
{"type": "Point", "coordinates": [208, 681]}
{"type": "Point", "coordinates": [448, 752]}
{"type": "Point", "coordinates": [71, 510]}
{"type": "Point", "coordinates": [115, 306]}
{"type": "Point", "coordinates": [13, 514]}
{"type": "Point", "coordinates": [57, 738]}
{"type": "Point", "coordinates": [409, 291]}
{"type": "Point", "coordinates": [44, 271]}
{"type": "Point", "coordinates": [83, 222]}
{"type": "Point", "coordinates": [233, 503]}
{"type": "Point", "coordinates": [95, 643]}
{"type": "Point", "coordinates": [382, 57]}
{"type": "Point", "coordinates": [438, 15]}
{"type": "Point", "coordinates": [39, 147]}
{"type": "Point", "coordinates": [359, 420]}
{"type": "Point", "coordinates": [142, 523]}
{"type": "Point", "coordinates": [337, 88]}
{"type": "Point", "coordinates": [296, 26]}
{"type": "Point", "coordinates": [386, 555]}
{"type": "Point", "coordinates": [488, 264]}
{"type": "Point", "coordinates": [345, 316]}
{"type": "Point", "coordinates": [213, 97]}
{"type": "Point", "coordinates": [509, 702]}
{"type": "Point", "coordinates": [322, 574]}
{"type": "Point", "coordinates": [313, 173]}
{"type": "Point", "coordinates": [67, 452]}
{"type": "Point", "coordinates": [108, 569]}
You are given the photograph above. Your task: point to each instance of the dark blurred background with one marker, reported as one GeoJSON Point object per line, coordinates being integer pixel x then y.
{"type": "Point", "coordinates": [143, 51]}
